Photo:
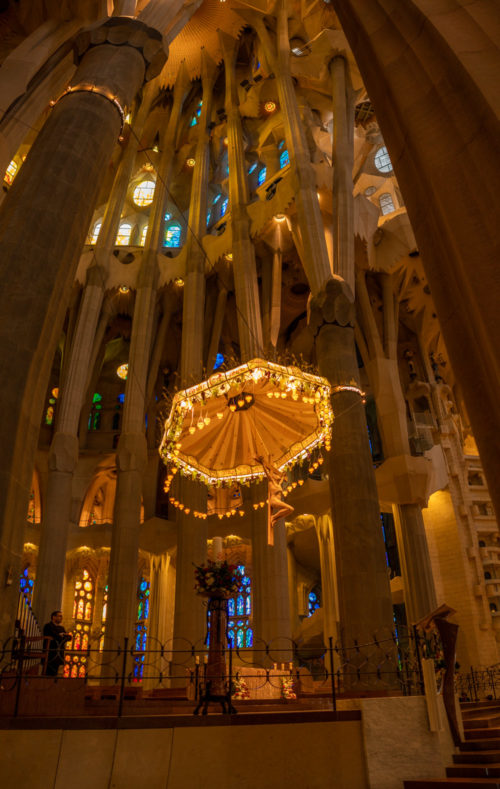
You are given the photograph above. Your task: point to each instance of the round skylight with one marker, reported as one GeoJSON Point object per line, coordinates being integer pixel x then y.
{"type": "Point", "coordinates": [382, 160]}
{"type": "Point", "coordinates": [144, 192]}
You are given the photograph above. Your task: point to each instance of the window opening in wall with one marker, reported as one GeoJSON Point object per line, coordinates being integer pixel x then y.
{"type": "Point", "coordinates": [144, 233]}
{"type": "Point", "coordinates": [94, 422]}
{"type": "Point", "coordinates": [216, 199]}
{"type": "Point", "coordinates": [26, 583]}
{"type": "Point", "coordinates": [382, 160]}
{"type": "Point", "coordinates": [219, 360]}
{"type": "Point", "coordinates": [173, 235]}
{"type": "Point", "coordinates": [493, 608]}
{"type": "Point", "coordinates": [141, 628]}
{"type": "Point", "coordinates": [83, 610]}
{"type": "Point", "coordinates": [386, 203]}
{"type": "Point", "coordinates": [209, 217]}
{"type": "Point", "coordinates": [143, 193]}
{"type": "Point", "coordinates": [224, 206]}
{"type": "Point", "coordinates": [10, 172]}
{"type": "Point", "coordinates": [252, 168]}
{"type": "Point", "coordinates": [167, 217]}
{"type": "Point", "coordinates": [390, 542]}
{"type": "Point", "coordinates": [239, 607]}
{"type": "Point", "coordinates": [284, 159]}
{"type": "Point", "coordinates": [95, 233]}
{"type": "Point", "coordinates": [314, 600]}
{"type": "Point", "coordinates": [262, 176]}
{"type": "Point", "coordinates": [104, 616]}
{"type": "Point", "coordinates": [123, 236]}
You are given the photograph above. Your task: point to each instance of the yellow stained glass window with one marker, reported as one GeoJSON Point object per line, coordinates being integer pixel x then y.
{"type": "Point", "coordinates": [123, 237]}
{"type": "Point", "coordinates": [10, 173]}
{"type": "Point", "coordinates": [144, 193]}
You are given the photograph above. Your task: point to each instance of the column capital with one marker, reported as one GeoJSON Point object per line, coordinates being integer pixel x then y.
{"type": "Point", "coordinates": [334, 304]}
{"type": "Point", "coordinates": [132, 452]}
{"type": "Point", "coordinates": [63, 455]}
{"type": "Point", "coordinates": [124, 31]}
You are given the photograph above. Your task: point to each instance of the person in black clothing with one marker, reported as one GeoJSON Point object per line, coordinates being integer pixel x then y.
{"type": "Point", "coordinates": [58, 636]}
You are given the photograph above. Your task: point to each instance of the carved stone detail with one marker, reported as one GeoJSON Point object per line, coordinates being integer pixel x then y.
{"type": "Point", "coordinates": [334, 304]}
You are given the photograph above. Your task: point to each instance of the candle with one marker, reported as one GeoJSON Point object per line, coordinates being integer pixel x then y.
{"type": "Point", "coordinates": [205, 659]}
{"type": "Point", "coordinates": [290, 666]}
{"type": "Point", "coordinates": [197, 660]}
{"type": "Point", "coordinates": [275, 666]}
{"type": "Point", "coordinates": [217, 545]}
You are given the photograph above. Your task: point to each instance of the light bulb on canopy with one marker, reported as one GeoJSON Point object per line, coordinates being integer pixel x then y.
{"type": "Point", "coordinates": [249, 430]}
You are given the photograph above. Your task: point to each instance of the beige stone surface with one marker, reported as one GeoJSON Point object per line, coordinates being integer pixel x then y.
{"type": "Point", "coordinates": [142, 758]}
{"type": "Point", "coordinates": [29, 758]}
{"type": "Point", "coordinates": [85, 759]}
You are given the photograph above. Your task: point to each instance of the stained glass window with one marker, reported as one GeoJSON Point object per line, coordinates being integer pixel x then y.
{"type": "Point", "coordinates": [123, 237]}
{"type": "Point", "coordinates": [216, 199]}
{"type": "Point", "coordinates": [284, 159]}
{"type": "Point", "coordinates": [262, 176]}
{"type": "Point", "coordinates": [240, 633]}
{"type": "Point", "coordinates": [83, 611]}
{"type": "Point", "coordinates": [144, 233]}
{"type": "Point", "coordinates": [173, 235]}
{"type": "Point", "coordinates": [104, 616]}
{"type": "Point", "coordinates": [144, 193]}
{"type": "Point", "coordinates": [386, 203]}
{"type": "Point", "coordinates": [11, 173]}
{"type": "Point", "coordinates": [314, 601]}
{"type": "Point", "coordinates": [141, 628]}
{"type": "Point", "coordinates": [95, 233]}
{"type": "Point", "coordinates": [209, 217]}
{"type": "Point", "coordinates": [252, 168]}
{"type": "Point", "coordinates": [219, 360]}
{"type": "Point", "coordinates": [26, 584]}
{"type": "Point", "coordinates": [224, 206]}
{"type": "Point", "coordinates": [94, 422]}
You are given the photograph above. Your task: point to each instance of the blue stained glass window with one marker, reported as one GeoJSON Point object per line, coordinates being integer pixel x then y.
{"type": "Point", "coordinates": [173, 235]}
{"type": "Point", "coordinates": [252, 168]}
{"type": "Point", "coordinates": [262, 176]}
{"type": "Point", "coordinates": [219, 360]}
{"type": "Point", "coordinates": [193, 121]}
{"type": "Point", "coordinates": [26, 584]}
{"type": "Point", "coordinates": [121, 398]}
{"type": "Point", "coordinates": [281, 144]}
{"type": "Point", "coordinates": [141, 628]}
{"type": "Point", "coordinates": [284, 159]}
{"type": "Point", "coordinates": [167, 216]}
{"type": "Point", "coordinates": [314, 602]}
{"type": "Point", "coordinates": [224, 206]}
{"type": "Point", "coordinates": [216, 199]}
{"type": "Point", "coordinates": [209, 217]}
{"type": "Point", "coordinates": [240, 633]}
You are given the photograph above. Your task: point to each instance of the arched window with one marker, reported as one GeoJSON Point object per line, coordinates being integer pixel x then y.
{"type": "Point", "coordinates": [262, 176]}
{"type": "Point", "coordinates": [173, 235]}
{"type": "Point", "coordinates": [141, 628]}
{"type": "Point", "coordinates": [224, 205]}
{"type": "Point", "coordinates": [144, 193]}
{"type": "Point", "coordinates": [26, 583]}
{"type": "Point", "coordinates": [284, 159]}
{"type": "Point", "coordinates": [487, 576]}
{"type": "Point", "coordinates": [209, 217]}
{"type": "Point", "coordinates": [382, 160]}
{"type": "Point", "coordinates": [123, 237]}
{"type": "Point", "coordinates": [83, 612]}
{"type": "Point", "coordinates": [94, 422]}
{"type": "Point", "coordinates": [219, 361]}
{"type": "Point", "coordinates": [386, 203]}
{"type": "Point", "coordinates": [11, 172]}
{"type": "Point", "coordinates": [493, 608]}
{"type": "Point", "coordinates": [51, 408]}
{"type": "Point", "coordinates": [216, 199]}
{"type": "Point", "coordinates": [239, 608]}
{"type": "Point", "coordinates": [252, 168]}
{"type": "Point", "coordinates": [314, 600]}
{"type": "Point", "coordinates": [104, 616]}
{"type": "Point", "coordinates": [144, 233]}
{"type": "Point", "coordinates": [95, 232]}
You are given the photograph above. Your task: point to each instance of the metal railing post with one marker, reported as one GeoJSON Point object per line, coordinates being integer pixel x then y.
{"type": "Point", "coordinates": [122, 680]}
{"type": "Point", "coordinates": [332, 673]}
{"type": "Point", "coordinates": [19, 674]}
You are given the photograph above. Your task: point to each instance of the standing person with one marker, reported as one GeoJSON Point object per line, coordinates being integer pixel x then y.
{"type": "Point", "coordinates": [58, 636]}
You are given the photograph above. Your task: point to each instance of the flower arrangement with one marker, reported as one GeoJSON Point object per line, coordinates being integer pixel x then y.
{"type": "Point", "coordinates": [240, 688]}
{"type": "Point", "coordinates": [286, 689]}
{"type": "Point", "coordinates": [217, 579]}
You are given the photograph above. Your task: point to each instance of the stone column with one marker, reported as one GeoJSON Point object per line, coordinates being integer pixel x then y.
{"type": "Point", "coordinates": [244, 268]}
{"type": "Point", "coordinates": [436, 108]}
{"type": "Point", "coordinates": [194, 280]}
{"type": "Point", "coordinates": [64, 449]}
{"type": "Point", "coordinates": [313, 249]}
{"type": "Point", "coordinates": [329, 603]}
{"type": "Point", "coordinates": [55, 191]}
{"type": "Point", "coordinates": [271, 604]}
{"type": "Point", "coordinates": [343, 160]}
{"type": "Point", "coordinates": [363, 581]}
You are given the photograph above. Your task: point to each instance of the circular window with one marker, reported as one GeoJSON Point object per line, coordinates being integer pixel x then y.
{"type": "Point", "coordinates": [370, 190]}
{"type": "Point", "coordinates": [382, 160]}
{"type": "Point", "coordinates": [122, 371]}
{"type": "Point", "coordinates": [144, 192]}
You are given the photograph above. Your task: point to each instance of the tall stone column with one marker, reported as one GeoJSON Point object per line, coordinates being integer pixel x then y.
{"type": "Point", "coordinates": [244, 268]}
{"type": "Point", "coordinates": [329, 603]}
{"type": "Point", "coordinates": [363, 581]}
{"type": "Point", "coordinates": [401, 479]}
{"type": "Point", "coordinates": [436, 108]}
{"type": "Point", "coordinates": [132, 453]}
{"type": "Point", "coordinates": [271, 604]}
{"type": "Point", "coordinates": [313, 249]}
{"type": "Point", "coordinates": [64, 448]}
{"type": "Point", "coordinates": [55, 191]}
{"type": "Point", "coordinates": [343, 161]}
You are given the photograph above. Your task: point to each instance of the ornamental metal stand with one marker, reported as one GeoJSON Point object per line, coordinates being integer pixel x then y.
{"type": "Point", "coordinates": [216, 687]}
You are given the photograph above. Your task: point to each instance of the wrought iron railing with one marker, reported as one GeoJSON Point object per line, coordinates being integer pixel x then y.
{"type": "Point", "coordinates": [279, 670]}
